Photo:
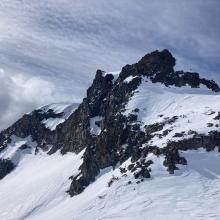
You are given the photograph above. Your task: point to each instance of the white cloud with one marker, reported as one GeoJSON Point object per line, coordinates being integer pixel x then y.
{"type": "Point", "coordinates": [20, 94]}
{"type": "Point", "coordinates": [32, 89]}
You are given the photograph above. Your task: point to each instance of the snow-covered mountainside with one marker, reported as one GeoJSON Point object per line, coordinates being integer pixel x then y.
{"type": "Point", "coordinates": [143, 144]}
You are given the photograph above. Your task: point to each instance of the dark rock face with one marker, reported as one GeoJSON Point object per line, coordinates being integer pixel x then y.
{"type": "Point", "coordinates": [120, 136]}
{"type": "Point", "coordinates": [172, 158]}
{"type": "Point", "coordinates": [74, 134]}
{"type": "Point", "coordinates": [89, 170]}
{"type": "Point", "coordinates": [29, 124]}
{"type": "Point", "coordinates": [208, 142]}
{"type": "Point", "coordinates": [45, 115]}
{"type": "Point", "coordinates": [159, 67]}
{"type": "Point", "coordinates": [156, 64]}
{"type": "Point", "coordinates": [6, 166]}
{"type": "Point", "coordinates": [217, 117]}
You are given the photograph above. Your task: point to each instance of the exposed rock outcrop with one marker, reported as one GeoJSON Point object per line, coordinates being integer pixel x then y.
{"type": "Point", "coordinates": [6, 166]}
{"type": "Point", "coordinates": [28, 125]}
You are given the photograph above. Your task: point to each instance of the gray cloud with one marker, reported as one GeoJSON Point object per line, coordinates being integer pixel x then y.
{"type": "Point", "coordinates": [20, 94]}
{"type": "Point", "coordinates": [63, 42]}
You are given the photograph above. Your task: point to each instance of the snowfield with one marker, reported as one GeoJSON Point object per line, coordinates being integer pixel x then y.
{"type": "Point", "coordinates": [38, 183]}
{"type": "Point", "coordinates": [194, 107]}
{"type": "Point", "coordinates": [36, 190]}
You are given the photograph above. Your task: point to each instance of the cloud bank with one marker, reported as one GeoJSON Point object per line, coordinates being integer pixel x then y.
{"type": "Point", "coordinates": [55, 46]}
{"type": "Point", "coordinates": [20, 94]}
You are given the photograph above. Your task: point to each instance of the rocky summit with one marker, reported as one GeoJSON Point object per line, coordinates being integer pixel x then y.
{"type": "Point", "coordinates": [131, 121]}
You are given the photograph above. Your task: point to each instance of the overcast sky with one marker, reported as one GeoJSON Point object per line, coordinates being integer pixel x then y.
{"type": "Point", "coordinates": [50, 49]}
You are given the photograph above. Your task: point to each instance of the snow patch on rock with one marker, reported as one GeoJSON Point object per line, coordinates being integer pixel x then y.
{"type": "Point", "coordinates": [95, 128]}
{"type": "Point", "coordinates": [129, 79]}
{"type": "Point", "coordinates": [38, 184]}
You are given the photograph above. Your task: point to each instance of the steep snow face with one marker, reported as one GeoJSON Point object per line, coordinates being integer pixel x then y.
{"type": "Point", "coordinates": [33, 192]}
{"type": "Point", "coordinates": [194, 109]}
{"type": "Point", "coordinates": [61, 110]}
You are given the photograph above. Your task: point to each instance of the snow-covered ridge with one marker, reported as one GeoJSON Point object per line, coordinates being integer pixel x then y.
{"type": "Point", "coordinates": [194, 109]}
{"type": "Point", "coordinates": [61, 110]}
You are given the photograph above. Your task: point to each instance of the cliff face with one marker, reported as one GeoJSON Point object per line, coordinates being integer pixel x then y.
{"type": "Point", "coordinates": [112, 124]}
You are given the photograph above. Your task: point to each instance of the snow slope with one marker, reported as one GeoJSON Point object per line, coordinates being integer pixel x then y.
{"type": "Point", "coordinates": [36, 189]}
{"type": "Point", "coordinates": [195, 109]}
{"type": "Point", "coordinates": [37, 184]}
{"type": "Point", "coordinates": [192, 193]}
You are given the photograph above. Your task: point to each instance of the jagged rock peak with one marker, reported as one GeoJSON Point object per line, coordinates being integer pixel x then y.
{"type": "Point", "coordinates": [158, 66]}
{"type": "Point", "coordinates": [151, 64]}
{"type": "Point", "coordinates": [156, 62]}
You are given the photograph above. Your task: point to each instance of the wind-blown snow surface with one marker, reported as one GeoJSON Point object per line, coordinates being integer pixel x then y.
{"type": "Point", "coordinates": [65, 109]}
{"type": "Point", "coordinates": [38, 183]}
{"type": "Point", "coordinates": [36, 189]}
{"type": "Point", "coordinates": [195, 108]}
{"type": "Point", "coordinates": [33, 192]}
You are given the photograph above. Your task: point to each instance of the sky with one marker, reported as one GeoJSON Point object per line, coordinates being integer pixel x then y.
{"type": "Point", "coordinates": [51, 49]}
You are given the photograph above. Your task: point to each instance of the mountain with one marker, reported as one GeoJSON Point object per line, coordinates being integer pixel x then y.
{"type": "Point", "coordinates": [143, 144]}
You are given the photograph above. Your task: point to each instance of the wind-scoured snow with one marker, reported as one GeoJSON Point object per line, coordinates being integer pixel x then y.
{"type": "Point", "coordinates": [65, 108]}
{"type": "Point", "coordinates": [33, 192]}
{"type": "Point", "coordinates": [194, 107]}
{"type": "Point", "coordinates": [39, 183]}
